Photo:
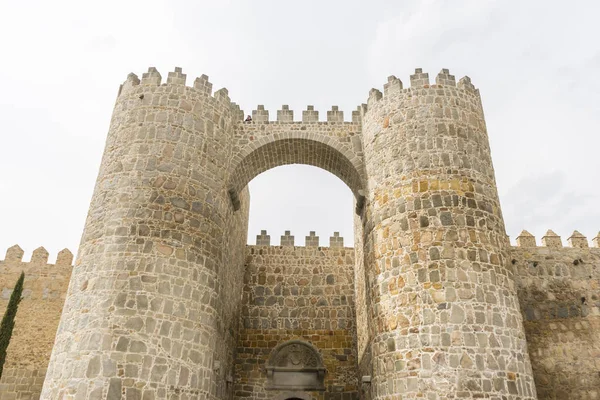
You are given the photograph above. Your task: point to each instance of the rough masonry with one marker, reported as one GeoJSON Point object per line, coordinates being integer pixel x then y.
{"type": "Point", "coordinates": [166, 302]}
{"type": "Point", "coordinates": [44, 292]}
{"type": "Point", "coordinates": [309, 294]}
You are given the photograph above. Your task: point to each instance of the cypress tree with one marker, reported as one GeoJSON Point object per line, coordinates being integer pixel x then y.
{"type": "Point", "coordinates": [8, 321]}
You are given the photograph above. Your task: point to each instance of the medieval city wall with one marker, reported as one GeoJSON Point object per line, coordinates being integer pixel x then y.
{"type": "Point", "coordinates": [36, 321]}
{"type": "Point", "coordinates": [302, 293]}
{"type": "Point", "coordinates": [309, 293]}
{"type": "Point", "coordinates": [559, 293]}
{"type": "Point", "coordinates": [433, 303]}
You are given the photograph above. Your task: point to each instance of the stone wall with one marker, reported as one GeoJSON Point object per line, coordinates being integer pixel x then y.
{"type": "Point", "coordinates": [363, 338]}
{"type": "Point", "coordinates": [309, 293]}
{"type": "Point", "coordinates": [304, 293]}
{"type": "Point", "coordinates": [146, 304]}
{"type": "Point", "coordinates": [36, 321]}
{"type": "Point", "coordinates": [444, 315]}
{"type": "Point", "coordinates": [559, 292]}
{"type": "Point", "coordinates": [231, 280]}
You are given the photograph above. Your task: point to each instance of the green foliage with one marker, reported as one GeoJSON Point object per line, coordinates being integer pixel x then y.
{"type": "Point", "coordinates": [8, 321]}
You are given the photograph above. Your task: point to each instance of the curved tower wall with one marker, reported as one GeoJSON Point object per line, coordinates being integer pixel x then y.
{"type": "Point", "coordinates": [444, 314]}
{"type": "Point", "coordinates": [149, 311]}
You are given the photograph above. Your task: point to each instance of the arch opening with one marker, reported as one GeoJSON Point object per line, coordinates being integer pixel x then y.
{"type": "Point", "coordinates": [297, 151]}
{"type": "Point", "coordinates": [300, 199]}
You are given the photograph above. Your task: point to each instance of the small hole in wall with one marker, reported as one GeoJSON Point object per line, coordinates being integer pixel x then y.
{"type": "Point", "coordinates": [141, 97]}
{"type": "Point", "coordinates": [513, 261]}
{"type": "Point", "coordinates": [583, 300]}
{"type": "Point", "coordinates": [576, 262]}
{"type": "Point", "coordinates": [535, 263]}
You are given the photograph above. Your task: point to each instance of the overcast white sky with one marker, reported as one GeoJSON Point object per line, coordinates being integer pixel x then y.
{"type": "Point", "coordinates": [536, 63]}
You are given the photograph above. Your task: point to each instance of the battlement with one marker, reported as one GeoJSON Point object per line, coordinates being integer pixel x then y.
{"type": "Point", "coordinates": [201, 86]}
{"type": "Point", "coordinates": [312, 240]}
{"type": "Point", "coordinates": [551, 239]}
{"type": "Point", "coordinates": [309, 116]}
{"type": "Point", "coordinates": [13, 260]}
{"type": "Point", "coordinates": [419, 80]}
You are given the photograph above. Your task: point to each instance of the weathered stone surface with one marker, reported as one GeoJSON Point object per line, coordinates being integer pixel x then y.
{"type": "Point", "coordinates": [432, 216]}
{"type": "Point", "coordinates": [166, 301]}
{"type": "Point", "coordinates": [310, 297]}
{"type": "Point", "coordinates": [36, 321]}
{"type": "Point", "coordinates": [559, 294]}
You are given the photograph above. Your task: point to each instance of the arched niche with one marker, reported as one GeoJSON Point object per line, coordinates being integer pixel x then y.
{"type": "Point", "coordinates": [295, 365]}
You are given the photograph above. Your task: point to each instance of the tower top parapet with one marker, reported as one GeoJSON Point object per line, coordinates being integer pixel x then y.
{"type": "Point", "coordinates": [419, 80]}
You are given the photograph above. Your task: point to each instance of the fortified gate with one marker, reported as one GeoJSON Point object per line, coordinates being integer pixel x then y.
{"type": "Point", "coordinates": [166, 301]}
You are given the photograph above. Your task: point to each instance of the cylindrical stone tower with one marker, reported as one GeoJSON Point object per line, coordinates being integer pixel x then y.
{"type": "Point", "coordinates": [444, 317]}
{"type": "Point", "coordinates": [147, 314]}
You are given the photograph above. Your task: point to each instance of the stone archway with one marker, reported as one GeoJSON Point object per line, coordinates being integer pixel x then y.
{"type": "Point", "coordinates": [296, 151]}
{"type": "Point", "coordinates": [331, 146]}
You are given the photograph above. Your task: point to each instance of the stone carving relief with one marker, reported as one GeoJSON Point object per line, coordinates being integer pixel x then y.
{"type": "Point", "coordinates": [295, 365]}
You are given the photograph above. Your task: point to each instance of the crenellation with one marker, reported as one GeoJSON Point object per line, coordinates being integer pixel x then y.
{"type": "Point", "coordinates": [526, 239]}
{"type": "Point", "coordinates": [287, 239]}
{"type": "Point", "coordinates": [336, 241]}
{"type": "Point", "coordinates": [222, 96]}
{"type": "Point", "coordinates": [466, 84]}
{"type": "Point", "coordinates": [374, 96]}
{"type": "Point", "coordinates": [131, 81]}
{"type": "Point", "coordinates": [335, 115]}
{"type": "Point", "coordinates": [596, 240]}
{"type": "Point", "coordinates": [222, 99]}
{"type": "Point", "coordinates": [445, 79]}
{"type": "Point", "coordinates": [39, 256]}
{"type": "Point", "coordinates": [310, 115]}
{"type": "Point", "coordinates": [357, 116]}
{"type": "Point", "coordinates": [393, 86]}
{"type": "Point", "coordinates": [419, 79]}
{"type": "Point", "coordinates": [312, 240]}
{"type": "Point", "coordinates": [64, 257]}
{"type": "Point", "coordinates": [578, 240]}
{"type": "Point", "coordinates": [151, 78]}
{"type": "Point", "coordinates": [551, 239]}
{"type": "Point", "coordinates": [237, 113]}
{"type": "Point", "coordinates": [285, 114]}
{"type": "Point", "coordinates": [260, 114]}
{"type": "Point", "coordinates": [177, 77]}
{"type": "Point", "coordinates": [263, 239]}
{"type": "Point", "coordinates": [14, 254]}
{"type": "Point", "coordinates": [202, 85]}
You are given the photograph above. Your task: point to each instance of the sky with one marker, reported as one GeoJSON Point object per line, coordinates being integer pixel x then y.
{"type": "Point", "coordinates": [536, 64]}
